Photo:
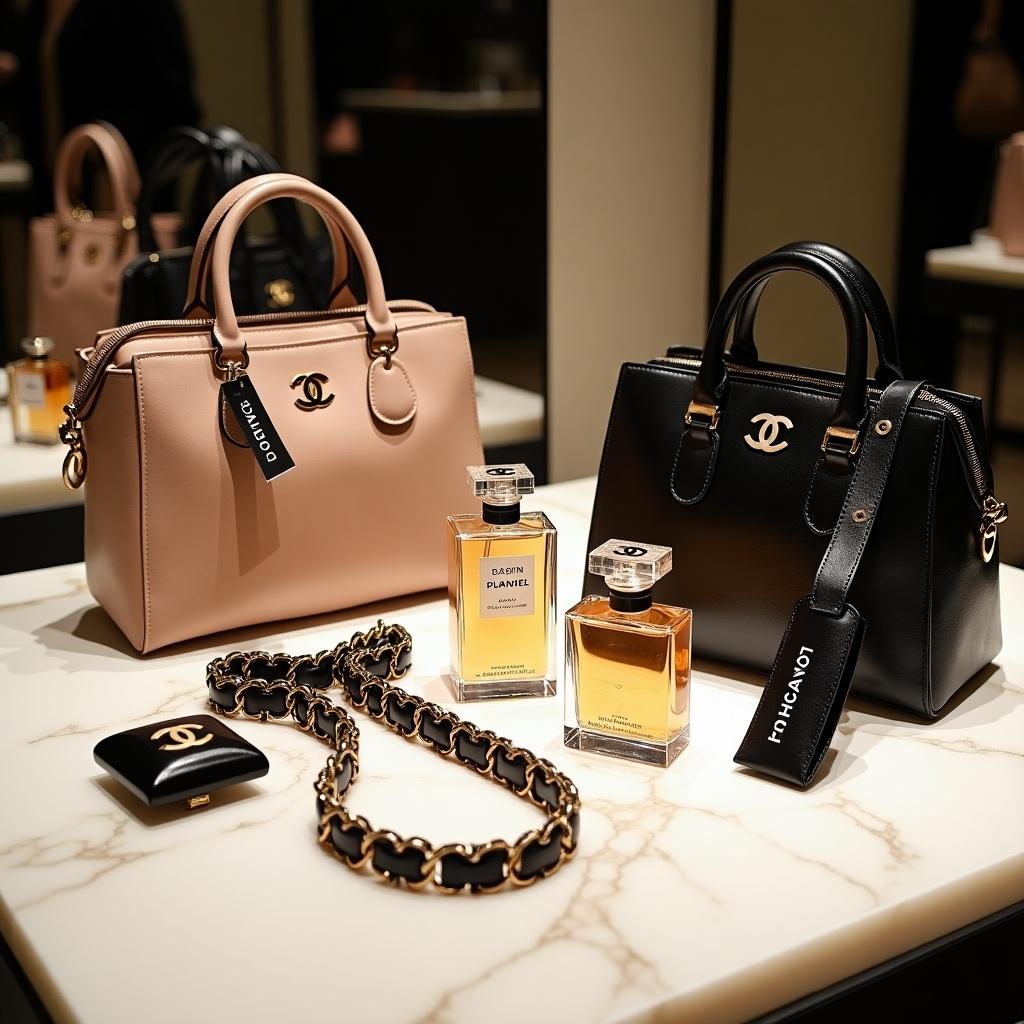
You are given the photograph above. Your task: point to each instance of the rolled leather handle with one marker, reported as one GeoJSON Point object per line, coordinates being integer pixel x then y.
{"type": "Point", "coordinates": [195, 301]}
{"type": "Point", "coordinates": [117, 159]}
{"type": "Point", "coordinates": [872, 299]}
{"type": "Point", "coordinates": [712, 377]}
{"type": "Point", "coordinates": [380, 321]}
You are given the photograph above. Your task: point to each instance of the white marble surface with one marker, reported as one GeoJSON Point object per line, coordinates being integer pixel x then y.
{"type": "Point", "coordinates": [981, 262]}
{"type": "Point", "coordinates": [30, 474]}
{"type": "Point", "coordinates": [699, 893]}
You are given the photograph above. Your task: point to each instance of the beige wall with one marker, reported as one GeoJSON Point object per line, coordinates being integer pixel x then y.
{"type": "Point", "coordinates": [816, 131]}
{"type": "Point", "coordinates": [629, 134]}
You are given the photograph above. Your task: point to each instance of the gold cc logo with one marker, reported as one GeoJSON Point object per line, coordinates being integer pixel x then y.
{"type": "Point", "coordinates": [768, 434]}
{"type": "Point", "coordinates": [182, 735]}
{"type": "Point", "coordinates": [313, 391]}
{"type": "Point", "coordinates": [280, 293]}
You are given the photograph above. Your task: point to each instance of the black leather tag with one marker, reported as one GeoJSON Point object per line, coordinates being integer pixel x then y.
{"type": "Point", "coordinates": [256, 426]}
{"type": "Point", "coordinates": [804, 696]}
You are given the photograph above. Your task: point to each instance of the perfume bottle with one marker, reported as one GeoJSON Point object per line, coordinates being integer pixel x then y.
{"type": "Point", "coordinates": [627, 660]}
{"type": "Point", "coordinates": [501, 591]}
{"type": "Point", "coordinates": [40, 387]}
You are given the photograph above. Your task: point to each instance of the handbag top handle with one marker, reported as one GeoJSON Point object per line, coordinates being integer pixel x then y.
{"type": "Point", "coordinates": [710, 386]}
{"type": "Point", "coordinates": [119, 164]}
{"type": "Point", "coordinates": [744, 347]}
{"type": "Point", "coordinates": [196, 306]}
{"type": "Point", "coordinates": [380, 321]}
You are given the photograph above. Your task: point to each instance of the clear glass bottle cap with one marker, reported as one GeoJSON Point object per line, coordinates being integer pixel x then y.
{"type": "Point", "coordinates": [37, 348]}
{"type": "Point", "coordinates": [630, 566]}
{"type": "Point", "coordinates": [500, 484]}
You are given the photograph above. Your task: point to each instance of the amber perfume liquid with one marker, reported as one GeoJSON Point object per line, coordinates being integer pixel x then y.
{"type": "Point", "coordinates": [39, 388]}
{"type": "Point", "coordinates": [501, 597]}
{"type": "Point", "coordinates": [627, 686]}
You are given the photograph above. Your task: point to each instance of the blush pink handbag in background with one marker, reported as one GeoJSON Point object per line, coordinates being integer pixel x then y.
{"type": "Point", "coordinates": [1007, 220]}
{"type": "Point", "coordinates": [77, 255]}
{"type": "Point", "coordinates": [374, 404]}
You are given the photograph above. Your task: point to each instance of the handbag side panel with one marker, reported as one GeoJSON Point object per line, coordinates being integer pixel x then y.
{"type": "Point", "coordinates": [966, 626]}
{"type": "Point", "coordinates": [361, 516]}
{"type": "Point", "coordinates": [113, 539]}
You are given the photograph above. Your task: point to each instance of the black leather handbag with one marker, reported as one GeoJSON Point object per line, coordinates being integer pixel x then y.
{"type": "Point", "coordinates": [284, 271]}
{"type": "Point", "coordinates": [839, 515]}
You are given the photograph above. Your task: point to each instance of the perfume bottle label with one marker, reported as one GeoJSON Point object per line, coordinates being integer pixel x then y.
{"type": "Point", "coordinates": [257, 428]}
{"type": "Point", "coordinates": [31, 390]}
{"type": "Point", "coordinates": [507, 586]}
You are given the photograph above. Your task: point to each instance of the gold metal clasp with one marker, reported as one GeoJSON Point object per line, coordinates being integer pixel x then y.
{"type": "Point", "coordinates": [848, 434]}
{"type": "Point", "coordinates": [993, 513]}
{"type": "Point", "coordinates": [709, 412]}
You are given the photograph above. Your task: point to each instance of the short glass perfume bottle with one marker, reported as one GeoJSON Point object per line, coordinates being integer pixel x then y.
{"type": "Point", "coordinates": [501, 591]}
{"type": "Point", "coordinates": [627, 688]}
{"type": "Point", "coordinates": [40, 387]}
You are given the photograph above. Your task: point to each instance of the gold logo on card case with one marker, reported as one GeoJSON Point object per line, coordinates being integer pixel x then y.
{"type": "Point", "coordinates": [182, 736]}
{"type": "Point", "coordinates": [313, 396]}
{"type": "Point", "coordinates": [767, 439]}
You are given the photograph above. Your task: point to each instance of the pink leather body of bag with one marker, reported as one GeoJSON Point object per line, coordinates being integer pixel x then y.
{"type": "Point", "coordinates": [77, 255]}
{"type": "Point", "coordinates": [375, 404]}
{"type": "Point", "coordinates": [1008, 196]}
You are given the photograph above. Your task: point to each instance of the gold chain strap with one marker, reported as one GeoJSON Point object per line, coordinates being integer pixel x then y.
{"type": "Point", "coordinates": [266, 686]}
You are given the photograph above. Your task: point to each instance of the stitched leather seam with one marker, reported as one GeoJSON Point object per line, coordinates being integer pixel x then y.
{"type": "Point", "coordinates": [707, 476]}
{"type": "Point", "coordinates": [926, 652]}
{"type": "Point", "coordinates": [823, 747]}
{"type": "Point", "coordinates": [143, 492]}
{"type": "Point", "coordinates": [373, 400]}
{"type": "Point", "coordinates": [814, 528]}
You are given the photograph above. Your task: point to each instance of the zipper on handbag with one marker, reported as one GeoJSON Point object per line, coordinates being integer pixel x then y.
{"type": "Point", "coordinates": [993, 511]}
{"type": "Point", "coordinates": [75, 462]}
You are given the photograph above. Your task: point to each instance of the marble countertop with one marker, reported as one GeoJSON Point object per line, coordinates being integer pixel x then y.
{"type": "Point", "coordinates": [700, 893]}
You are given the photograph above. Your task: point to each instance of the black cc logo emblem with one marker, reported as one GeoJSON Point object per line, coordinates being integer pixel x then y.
{"type": "Point", "coordinates": [629, 551]}
{"type": "Point", "coordinates": [312, 391]}
{"type": "Point", "coordinates": [501, 471]}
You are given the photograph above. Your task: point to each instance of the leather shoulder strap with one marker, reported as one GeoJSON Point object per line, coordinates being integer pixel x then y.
{"type": "Point", "coordinates": [799, 709]}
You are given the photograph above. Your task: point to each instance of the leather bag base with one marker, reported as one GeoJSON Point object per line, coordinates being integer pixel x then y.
{"type": "Point", "coordinates": [184, 537]}
{"type": "Point", "coordinates": [744, 553]}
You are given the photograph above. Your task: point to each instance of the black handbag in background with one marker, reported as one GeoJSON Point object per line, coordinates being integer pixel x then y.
{"type": "Point", "coordinates": [768, 481]}
{"type": "Point", "coordinates": [284, 271]}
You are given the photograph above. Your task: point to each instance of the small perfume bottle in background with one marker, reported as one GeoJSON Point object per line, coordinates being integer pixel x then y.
{"type": "Point", "coordinates": [627, 687]}
{"type": "Point", "coordinates": [501, 591]}
{"type": "Point", "coordinates": [40, 387]}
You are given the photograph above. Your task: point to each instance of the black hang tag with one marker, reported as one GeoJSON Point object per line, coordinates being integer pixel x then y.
{"type": "Point", "coordinates": [256, 426]}
{"type": "Point", "coordinates": [799, 710]}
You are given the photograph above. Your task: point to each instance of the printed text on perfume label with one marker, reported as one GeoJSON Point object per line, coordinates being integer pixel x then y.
{"type": "Point", "coordinates": [507, 586]}
{"type": "Point", "coordinates": [789, 698]}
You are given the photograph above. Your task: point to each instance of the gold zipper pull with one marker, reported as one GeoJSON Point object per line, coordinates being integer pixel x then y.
{"type": "Point", "coordinates": [75, 462]}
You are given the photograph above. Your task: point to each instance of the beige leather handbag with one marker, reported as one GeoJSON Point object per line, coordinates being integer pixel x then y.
{"type": "Point", "coordinates": [1007, 215]}
{"type": "Point", "coordinates": [77, 255]}
{"type": "Point", "coordinates": [375, 404]}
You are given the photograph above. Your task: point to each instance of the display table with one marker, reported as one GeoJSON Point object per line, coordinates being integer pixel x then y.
{"type": "Point", "coordinates": [700, 893]}
{"type": "Point", "coordinates": [979, 280]}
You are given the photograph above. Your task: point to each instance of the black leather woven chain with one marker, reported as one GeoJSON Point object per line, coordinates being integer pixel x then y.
{"type": "Point", "coordinates": [277, 686]}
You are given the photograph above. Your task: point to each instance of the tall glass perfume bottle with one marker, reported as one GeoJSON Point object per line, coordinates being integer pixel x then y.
{"type": "Point", "coordinates": [627, 687]}
{"type": "Point", "coordinates": [501, 591]}
{"type": "Point", "coordinates": [40, 387]}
